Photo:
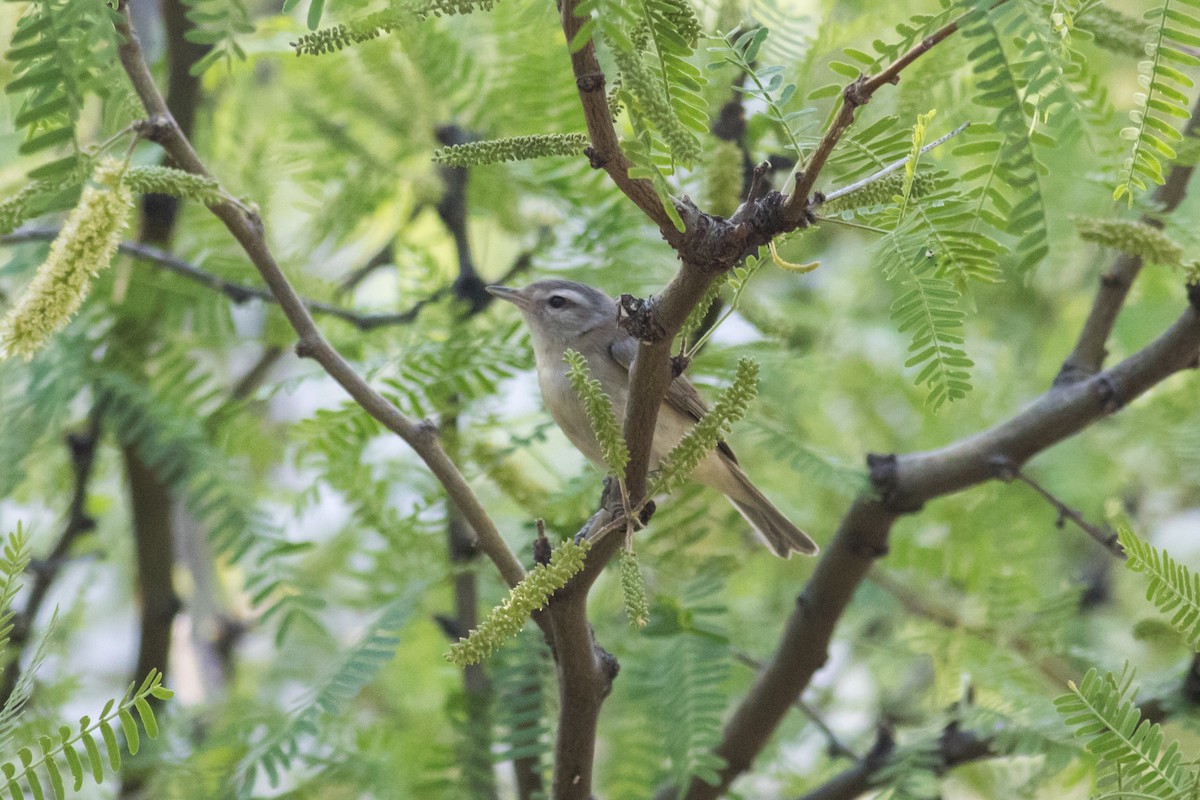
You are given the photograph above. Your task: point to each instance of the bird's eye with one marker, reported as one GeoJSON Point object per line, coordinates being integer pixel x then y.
{"type": "Point", "coordinates": [557, 301]}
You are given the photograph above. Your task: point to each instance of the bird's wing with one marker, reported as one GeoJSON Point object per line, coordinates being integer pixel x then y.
{"type": "Point", "coordinates": [681, 394]}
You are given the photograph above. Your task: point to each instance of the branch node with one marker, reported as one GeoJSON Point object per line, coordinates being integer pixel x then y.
{"type": "Point", "coordinates": [647, 512]}
{"type": "Point", "coordinates": [756, 179]}
{"type": "Point", "coordinates": [254, 220]}
{"type": "Point", "coordinates": [306, 348]}
{"type": "Point", "coordinates": [1109, 394]}
{"type": "Point", "coordinates": [1114, 280]}
{"type": "Point", "coordinates": [882, 468]}
{"type": "Point", "coordinates": [590, 82]}
{"type": "Point", "coordinates": [595, 159]}
{"type": "Point", "coordinates": [609, 669]}
{"type": "Point", "coordinates": [427, 430]}
{"type": "Point", "coordinates": [1193, 294]}
{"type": "Point", "coordinates": [636, 317]}
{"type": "Point", "coordinates": [1073, 372]}
{"type": "Point", "coordinates": [678, 364]}
{"type": "Point", "coordinates": [854, 97]}
{"type": "Point", "coordinates": [868, 551]}
{"type": "Point", "coordinates": [81, 446]}
{"type": "Point", "coordinates": [238, 294]}
{"type": "Point", "coordinates": [155, 129]}
{"type": "Point", "coordinates": [1003, 467]}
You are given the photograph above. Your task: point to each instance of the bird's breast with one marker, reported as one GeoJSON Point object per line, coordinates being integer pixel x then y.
{"type": "Point", "coordinates": [567, 409]}
{"type": "Point", "coordinates": [565, 405]}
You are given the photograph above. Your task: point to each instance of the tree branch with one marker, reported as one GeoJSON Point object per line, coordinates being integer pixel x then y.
{"type": "Point", "coordinates": [247, 229]}
{"type": "Point", "coordinates": [1107, 538]}
{"type": "Point", "coordinates": [1055, 669]}
{"type": "Point", "coordinates": [460, 539]}
{"type": "Point", "coordinates": [152, 501]}
{"type": "Point", "coordinates": [605, 152]}
{"type": "Point", "coordinates": [904, 483]}
{"type": "Point", "coordinates": [856, 94]}
{"type": "Point", "coordinates": [237, 292]}
{"type": "Point", "coordinates": [1090, 350]}
{"type": "Point", "coordinates": [956, 746]}
{"type": "Point", "coordinates": [833, 744]}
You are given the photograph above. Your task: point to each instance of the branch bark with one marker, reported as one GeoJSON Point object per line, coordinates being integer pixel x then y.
{"type": "Point", "coordinates": [958, 746]}
{"type": "Point", "coordinates": [904, 483]}
{"type": "Point", "coordinates": [605, 152]}
{"type": "Point", "coordinates": [151, 500]}
{"type": "Point", "coordinates": [247, 229]}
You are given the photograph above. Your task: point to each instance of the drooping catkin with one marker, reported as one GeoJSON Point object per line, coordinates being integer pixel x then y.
{"type": "Point", "coordinates": [533, 592]}
{"type": "Point", "coordinates": [85, 246]}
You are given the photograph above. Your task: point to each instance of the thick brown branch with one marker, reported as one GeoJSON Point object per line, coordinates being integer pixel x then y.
{"type": "Point", "coordinates": [586, 670]}
{"type": "Point", "coordinates": [1058, 414]}
{"type": "Point", "coordinates": [247, 229]}
{"type": "Point", "coordinates": [861, 538]}
{"type": "Point", "coordinates": [905, 483]}
{"type": "Point", "coordinates": [154, 525]}
{"type": "Point", "coordinates": [957, 746]}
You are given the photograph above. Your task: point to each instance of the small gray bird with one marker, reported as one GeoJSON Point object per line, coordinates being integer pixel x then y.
{"type": "Point", "coordinates": [566, 315]}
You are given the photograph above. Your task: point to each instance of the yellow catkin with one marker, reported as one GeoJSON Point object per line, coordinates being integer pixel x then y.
{"type": "Point", "coordinates": [85, 246]}
{"type": "Point", "coordinates": [633, 590]}
{"type": "Point", "coordinates": [533, 592]}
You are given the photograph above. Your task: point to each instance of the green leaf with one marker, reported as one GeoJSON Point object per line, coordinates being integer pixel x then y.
{"type": "Point", "coordinates": [93, 752]}
{"type": "Point", "coordinates": [315, 9]}
{"type": "Point", "coordinates": [1172, 587]}
{"type": "Point", "coordinates": [130, 729]}
{"type": "Point", "coordinates": [111, 745]}
{"type": "Point", "coordinates": [147, 714]}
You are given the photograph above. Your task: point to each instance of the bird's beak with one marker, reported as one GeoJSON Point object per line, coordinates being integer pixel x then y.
{"type": "Point", "coordinates": [513, 296]}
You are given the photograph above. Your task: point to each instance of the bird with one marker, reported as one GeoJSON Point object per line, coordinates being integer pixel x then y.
{"type": "Point", "coordinates": [565, 315]}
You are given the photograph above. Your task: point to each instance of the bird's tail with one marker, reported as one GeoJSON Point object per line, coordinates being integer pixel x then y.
{"type": "Point", "coordinates": [769, 523]}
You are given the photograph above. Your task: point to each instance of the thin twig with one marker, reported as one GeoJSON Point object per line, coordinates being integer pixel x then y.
{"type": "Point", "coordinates": [833, 744]}
{"type": "Point", "coordinates": [955, 746]}
{"type": "Point", "coordinates": [605, 152]}
{"type": "Point", "coordinates": [889, 169]}
{"type": "Point", "coordinates": [385, 255]}
{"type": "Point", "coordinates": [237, 292]}
{"type": "Point", "coordinates": [1056, 671]}
{"type": "Point", "coordinates": [902, 485]}
{"type": "Point", "coordinates": [1104, 537]}
{"type": "Point", "coordinates": [855, 95]}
